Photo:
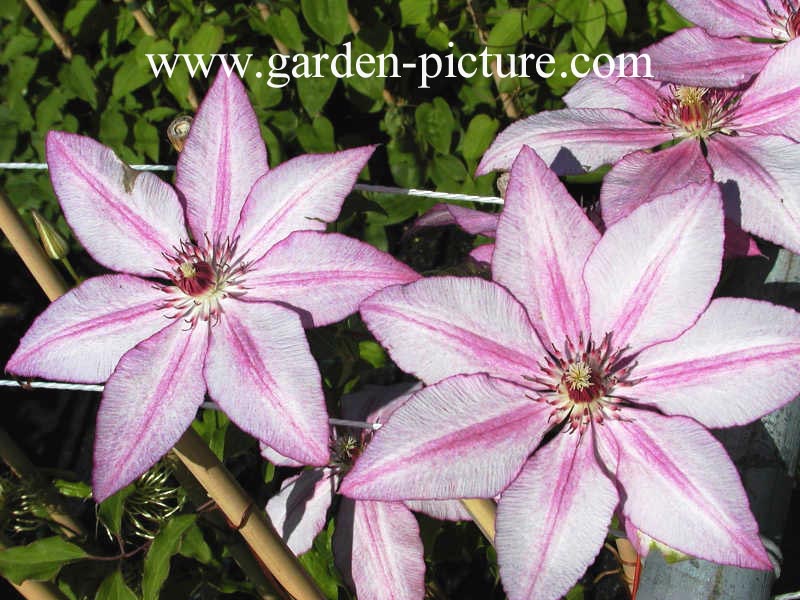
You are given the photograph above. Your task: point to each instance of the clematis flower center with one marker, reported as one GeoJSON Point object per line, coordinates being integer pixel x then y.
{"type": "Point", "coordinates": [697, 111]}
{"type": "Point", "coordinates": [201, 278]}
{"type": "Point", "coordinates": [793, 24]}
{"type": "Point", "coordinates": [582, 382]}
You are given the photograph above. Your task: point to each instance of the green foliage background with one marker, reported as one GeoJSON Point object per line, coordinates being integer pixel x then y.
{"type": "Point", "coordinates": [430, 138]}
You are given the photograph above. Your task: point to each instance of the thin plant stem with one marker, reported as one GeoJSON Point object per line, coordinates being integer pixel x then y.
{"type": "Point", "coordinates": [483, 512]}
{"type": "Point", "coordinates": [220, 485]}
{"type": "Point", "coordinates": [68, 266]}
{"type": "Point", "coordinates": [55, 34]}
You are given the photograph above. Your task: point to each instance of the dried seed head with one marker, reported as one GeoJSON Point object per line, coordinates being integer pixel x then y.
{"type": "Point", "coordinates": [178, 131]}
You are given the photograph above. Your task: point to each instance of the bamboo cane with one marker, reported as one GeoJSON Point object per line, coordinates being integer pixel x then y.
{"type": "Point", "coordinates": [483, 512]}
{"type": "Point", "coordinates": [51, 29]}
{"type": "Point", "coordinates": [239, 509]}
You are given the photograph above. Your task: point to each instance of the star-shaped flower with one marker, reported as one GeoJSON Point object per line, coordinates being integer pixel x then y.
{"type": "Point", "coordinates": [238, 263]}
{"type": "Point", "coordinates": [608, 344]}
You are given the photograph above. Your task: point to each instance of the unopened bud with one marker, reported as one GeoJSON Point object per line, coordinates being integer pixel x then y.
{"type": "Point", "coordinates": [53, 242]}
{"type": "Point", "coordinates": [178, 131]}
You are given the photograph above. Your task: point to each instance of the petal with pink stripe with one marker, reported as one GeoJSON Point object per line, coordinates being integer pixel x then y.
{"type": "Point", "coordinates": [653, 273]}
{"type": "Point", "coordinates": [260, 371]}
{"type": "Point", "coordinates": [465, 437]}
{"type": "Point", "coordinates": [732, 18]}
{"type": "Point", "coordinates": [682, 489]}
{"type": "Point", "coordinates": [304, 193]}
{"type": "Point", "coordinates": [733, 367]}
{"type": "Point", "coordinates": [468, 325]}
{"type": "Point", "coordinates": [124, 218]}
{"type": "Point", "coordinates": [223, 157]}
{"type": "Point", "coordinates": [324, 276]}
{"type": "Point", "coordinates": [148, 403]}
{"type": "Point", "coordinates": [82, 335]}
{"type": "Point", "coordinates": [552, 521]}
{"type": "Point", "coordinates": [543, 241]}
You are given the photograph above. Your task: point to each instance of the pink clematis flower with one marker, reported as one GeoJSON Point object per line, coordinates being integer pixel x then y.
{"type": "Point", "coordinates": [376, 545]}
{"type": "Point", "coordinates": [746, 140]}
{"type": "Point", "coordinates": [610, 344]}
{"type": "Point", "coordinates": [231, 294]}
{"type": "Point", "coordinates": [733, 42]}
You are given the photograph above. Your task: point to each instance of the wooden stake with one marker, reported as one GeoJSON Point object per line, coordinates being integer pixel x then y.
{"type": "Point", "coordinates": [51, 30]}
{"type": "Point", "coordinates": [483, 512]}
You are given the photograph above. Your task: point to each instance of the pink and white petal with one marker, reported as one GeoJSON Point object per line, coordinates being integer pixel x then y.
{"type": "Point", "coordinates": [574, 140]}
{"type": "Point", "coordinates": [223, 157]}
{"type": "Point", "coordinates": [636, 95]}
{"type": "Point", "coordinates": [148, 403]}
{"type": "Point", "coordinates": [276, 458]}
{"type": "Point", "coordinates": [543, 241]}
{"type": "Point", "coordinates": [465, 437]}
{"type": "Point", "coordinates": [444, 510]}
{"type": "Point", "coordinates": [304, 193]}
{"type": "Point", "coordinates": [124, 218]}
{"type": "Point", "coordinates": [475, 222]}
{"type": "Point", "coordinates": [464, 325]}
{"type": "Point", "coordinates": [729, 369]}
{"type": "Point", "coordinates": [693, 57]}
{"type": "Point", "coordinates": [82, 335]}
{"type": "Point", "coordinates": [682, 489]}
{"type": "Point", "coordinates": [551, 522]}
{"type": "Point", "coordinates": [653, 273]}
{"type": "Point", "coordinates": [260, 371]}
{"type": "Point", "coordinates": [378, 548]}
{"type": "Point", "coordinates": [641, 176]}
{"type": "Point", "coordinates": [732, 18]}
{"type": "Point", "coordinates": [483, 253]}
{"type": "Point", "coordinates": [324, 276]}
{"type": "Point", "coordinates": [760, 183]}
{"type": "Point", "coordinates": [772, 104]}
{"type": "Point", "coordinates": [300, 509]}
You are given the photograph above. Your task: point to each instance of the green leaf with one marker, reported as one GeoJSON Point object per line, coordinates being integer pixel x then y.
{"type": "Point", "coordinates": [575, 593]}
{"type": "Point", "coordinates": [146, 139]}
{"type": "Point", "coordinates": [590, 26]}
{"type": "Point", "coordinates": [115, 588]}
{"type": "Point", "coordinates": [165, 545]}
{"type": "Point", "coordinates": [110, 510]}
{"type": "Point", "coordinates": [616, 15]}
{"type": "Point", "coordinates": [285, 27]}
{"type": "Point", "coordinates": [317, 136]}
{"type": "Point", "coordinates": [405, 166]}
{"type": "Point", "coordinates": [318, 561]}
{"type": "Point", "coordinates": [435, 123]}
{"type": "Point", "coordinates": [315, 91]}
{"type": "Point", "coordinates": [327, 18]}
{"type": "Point", "coordinates": [479, 135]}
{"type": "Point", "coordinates": [40, 560]}
{"type": "Point", "coordinates": [75, 16]}
{"type": "Point", "coordinates": [73, 489]}
{"type": "Point", "coordinates": [372, 353]}
{"type": "Point", "coordinates": [567, 11]}
{"type": "Point", "coordinates": [447, 172]}
{"type": "Point", "coordinates": [506, 32]}
{"type": "Point", "coordinates": [416, 12]}
{"type": "Point", "coordinates": [194, 545]}
{"type": "Point", "coordinates": [136, 71]}
{"type": "Point", "coordinates": [113, 129]}
{"type": "Point", "coordinates": [77, 77]}
{"type": "Point", "coordinates": [262, 94]}
{"type": "Point", "coordinates": [539, 13]}
{"type": "Point", "coordinates": [206, 40]}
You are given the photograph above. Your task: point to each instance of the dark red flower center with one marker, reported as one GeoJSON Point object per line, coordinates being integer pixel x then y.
{"type": "Point", "coordinates": [195, 278]}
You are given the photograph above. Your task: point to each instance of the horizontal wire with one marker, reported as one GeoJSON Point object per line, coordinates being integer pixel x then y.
{"type": "Point", "coordinates": [362, 187]}
{"type": "Point", "coordinates": [83, 387]}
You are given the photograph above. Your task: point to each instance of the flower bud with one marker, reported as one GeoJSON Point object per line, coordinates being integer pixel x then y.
{"type": "Point", "coordinates": [178, 131]}
{"type": "Point", "coordinates": [53, 242]}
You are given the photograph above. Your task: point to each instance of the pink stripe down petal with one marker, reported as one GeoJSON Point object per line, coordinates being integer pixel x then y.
{"type": "Point", "coordinates": [82, 335]}
{"type": "Point", "coordinates": [304, 193]}
{"type": "Point", "coordinates": [653, 273]}
{"type": "Point", "coordinates": [124, 218]}
{"type": "Point", "coordinates": [641, 176]}
{"type": "Point", "coordinates": [325, 276]}
{"type": "Point", "coordinates": [574, 140]}
{"type": "Point", "coordinates": [465, 437]}
{"type": "Point", "coordinates": [260, 371]}
{"type": "Point", "coordinates": [148, 403]}
{"type": "Point", "coordinates": [475, 222]}
{"type": "Point", "coordinates": [733, 367]}
{"type": "Point", "coordinates": [543, 241]}
{"type": "Point", "coordinates": [552, 521]}
{"type": "Point", "coordinates": [693, 57]}
{"type": "Point", "coordinates": [731, 18]}
{"type": "Point", "coordinates": [299, 511]}
{"type": "Point", "coordinates": [760, 182]}
{"type": "Point", "coordinates": [466, 325]}
{"type": "Point", "coordinates": [386, 554]}
{"type": "Point", "coordinates": [682, 489]}
{"type": "Point", "coordinates": [223, 157]}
